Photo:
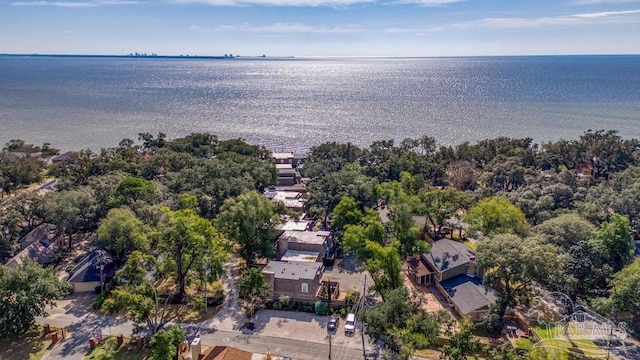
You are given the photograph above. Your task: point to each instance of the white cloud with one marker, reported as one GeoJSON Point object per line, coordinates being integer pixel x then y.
{"type": "Point", "coordinates": [312, 3]}
{"type": "Point", "coordinates": [426, 2]}
{"type": "Point", "coordinates": [599, 2]}
{"type": "Point", "coordinates": [575, 19]}
{"type": "Point", "coordinates": [416, 30]}
{"type": "Point", "coordinates": [279, 28]}
{"type": "Point", "coordinates": [75, 4]}
{"type": "Point", "coordinates": [297, 3]}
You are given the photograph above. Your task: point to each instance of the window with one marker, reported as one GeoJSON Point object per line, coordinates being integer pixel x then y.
{"type": "Point", "coordinates": [305, 287]}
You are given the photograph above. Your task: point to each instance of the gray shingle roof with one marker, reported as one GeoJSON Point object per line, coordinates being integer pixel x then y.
{"type": "Point", "coordinates": [468, 293]}
{"type": "Point", "coordinates": [448, 254]}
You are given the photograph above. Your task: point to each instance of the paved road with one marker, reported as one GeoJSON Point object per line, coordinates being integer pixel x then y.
{"type": "Point", "coordinates": [296, 349]}
{"type": "Point", "coordinates": [295, 334]}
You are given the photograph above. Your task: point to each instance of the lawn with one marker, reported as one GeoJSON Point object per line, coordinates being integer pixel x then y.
{"type": "Point", "coordinates": [31, 346]}
{"type": "Point", "coordinates": [553, 340]}
{"type": "Point", "coordinates": [108, 350]}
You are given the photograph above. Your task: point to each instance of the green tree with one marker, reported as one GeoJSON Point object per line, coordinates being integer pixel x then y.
{"type": "Point", "coordinates": [162, 347]}
{"type": "Point", "coordinates": [405, 231]}
{"type": "Point", "coordinates": [122, 232]}
{"type": "Point", "coordinates": [385, 266]}
{"type": "Point", "coordinates": [566, 230]}
{"type": "Point", "coordinates": [614, 238]}
{"type": "Point", "coordinates": [441, 205]}
{"type": "Point", "coordinates": [345, 213]}
{"type": "Point", "coordinates": [250, 221]}
{"type": "Point", "coordinates": [189, 244]}
{"type": "Point", "coordinates": [132, 188]}
{"type": "Point", "coordinates": [496, 215]}
{"type": "Point", "coordinates": [143, 305]}
{"type": "Point", "coordinates": [626, 292]}
{"type": "Point", "coordinates": [63, 209]}
{"type": "Point", "coordinates": [25, 292]}
{"type": "Point", "coordinates": [325, 192]}
{"type": "Point", "coordinates": [401, 323]}
{"type": "Point", "coordinates": [253, 291]}
{"type": "Point", "coordinates": [135, 270]}
{"type": "Point", "coordinates": [511, 265]}
{"type": "Point", "coordinates": [461, 344]}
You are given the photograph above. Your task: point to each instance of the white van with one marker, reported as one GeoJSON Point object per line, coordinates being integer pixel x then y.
{"type": "Point", "coordinates": [350, 323]}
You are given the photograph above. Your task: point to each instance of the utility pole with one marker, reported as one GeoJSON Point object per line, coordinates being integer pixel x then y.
{"type": "Point", "coordinates": [364, 294]}
{"type": "Point", "coordinates": [329, 346]}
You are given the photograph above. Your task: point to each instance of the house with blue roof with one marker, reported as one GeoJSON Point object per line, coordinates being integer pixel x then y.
{"type": "Point", "coordinates": [451, 267]}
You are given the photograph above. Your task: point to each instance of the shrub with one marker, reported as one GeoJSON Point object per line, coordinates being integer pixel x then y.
{"type": "Point", "coordinates": [295, 305]}
{"type": "Point", "coordinates": [284, 300]}
{"type": "Point", "coordinates": [343, 312]}
{"type": "Point", "coordinates": [97, 304]}
{"type": "Point", "coordinates": [277, 305]}
{"type": "Point", "coordinates": [320, 308]}
{"type": "Point", "coordinates": [70, 268]}
{"type": "Point", "coordinates": [350, 298]}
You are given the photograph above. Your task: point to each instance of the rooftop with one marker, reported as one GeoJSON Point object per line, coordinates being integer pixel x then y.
{"type": "Point", "coordinates": [468, 293]}
{"type": "Point", "coordinates": [225, 353]}
{"type": "Point", "coordinates": [88, 269]}
{"type": "Point", "coordinates": [296, 255]}
{"type": "Point", "coordinates": [448, 254]}
{"type": "Point", "coordinates": [307, 237]}
{"type": "Point", "coordinates": [282, 155]}
{"type": "Point", "coordinates": [294, 225]}
{"type": "Point", "coordinates": [293, 270]}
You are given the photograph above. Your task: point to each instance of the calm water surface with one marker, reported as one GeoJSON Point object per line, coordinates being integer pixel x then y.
{"type": "Point", "coordinates": [79, 103]}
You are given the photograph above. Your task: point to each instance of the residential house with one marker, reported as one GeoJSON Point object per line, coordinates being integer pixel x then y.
{"type": "Point", "coordinates": [451, 267]}
{"type": "Point", "coordinates": [295, 255]}
{"type": "Point", "coordinates": [300, 280]}
{"type": "Point", "coordinates": [292, 200]}
{"type": "Point", "coordinates": [316, 241]}
{"type": "Point", "coordinates": [217, 352]}
{"type": "Point", "coordinates": [38, 245]}
{"type": "Point", "coordinates": [62, 157]}
{"type": "Point", "coordinates": [287, 175]}
{"type": "Point", "coordinates": [283, 158]}
{"type": "Point", "coordinates": [93, 270]}
{"type": "Point", "coordinates": [291, 225]}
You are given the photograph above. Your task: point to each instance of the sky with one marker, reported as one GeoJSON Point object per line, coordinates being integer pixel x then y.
{"type": "Point", "coordinates": [321, 27]}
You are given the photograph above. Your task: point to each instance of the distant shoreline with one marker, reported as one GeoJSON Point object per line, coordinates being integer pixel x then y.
{"type": "Point", "coordinates": [266, 57]}
{"type": "Point", "coordinates": [142, 56]}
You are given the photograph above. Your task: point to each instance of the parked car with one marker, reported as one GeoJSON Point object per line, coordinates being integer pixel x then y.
{"type": "Point", "coordinates": [332, 325]}
{"type": "Point", "coordinates": [350, 323]}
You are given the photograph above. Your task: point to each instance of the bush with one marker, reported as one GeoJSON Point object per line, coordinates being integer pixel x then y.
{"type": "Point", "coordinates": [350, 298]}
{"type": "Point", "coordinates": [320, 308]}
{"type": "Point", "coordinates": [295, 305]}
{"type": "Point", "coordinates": [342, 312]}
{"type": "Point", "coordinates": [69, 268]}
{"type": "Point", "coordinates": [97, 289]}
{"type": "Point", "coordinates": [97, 304]}
{"type": "Point", "coordinates": [277, 305]}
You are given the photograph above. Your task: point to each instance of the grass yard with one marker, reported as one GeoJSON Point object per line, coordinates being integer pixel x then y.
{"type": "Point", "coordinates": [31, 346]}
{"type": "Point", "coordinates": [108, 350]}
{"type": "Point", "coordinates": [554, 341]}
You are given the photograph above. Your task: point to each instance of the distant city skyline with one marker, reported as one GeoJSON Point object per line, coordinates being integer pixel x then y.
{"type": "Point", "coordinates": [321, 27]}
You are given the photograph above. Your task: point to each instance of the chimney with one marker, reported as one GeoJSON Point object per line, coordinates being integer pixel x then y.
{"type": "Point", "coordinates": [196, 349]}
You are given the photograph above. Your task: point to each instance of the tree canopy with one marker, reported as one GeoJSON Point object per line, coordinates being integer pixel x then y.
{"type": "Point", "coordinates": [496, 215]}
{"type": "Point", "coordinates": [25, 292]}
{"type": "Point", "coordinates": [249, 220]}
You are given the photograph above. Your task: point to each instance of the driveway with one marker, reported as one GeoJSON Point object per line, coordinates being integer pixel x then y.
{"type": "Point", "coordinates": [283, 330]}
